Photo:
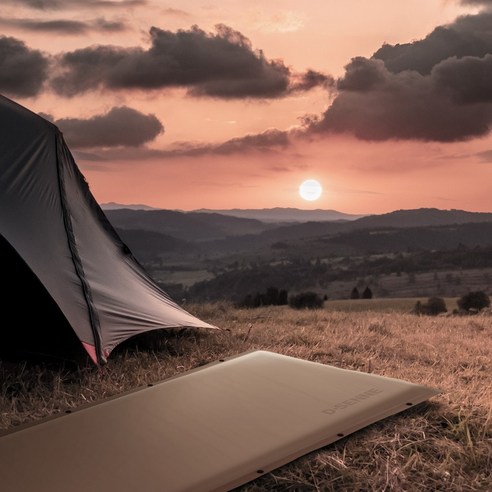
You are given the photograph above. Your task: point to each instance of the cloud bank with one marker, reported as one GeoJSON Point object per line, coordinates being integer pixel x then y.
{"type": "Point", "coordinates": [77, 4]}
{"type": "Point", "coordinates": [62, 26]}
{"type": "Point", "coordinates": [434, 89]}
{"type": "Point", "coordinates": [222, 65]}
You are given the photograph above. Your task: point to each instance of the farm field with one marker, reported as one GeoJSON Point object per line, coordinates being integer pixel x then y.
{"type": "Point", "coordinates": [443, 444]}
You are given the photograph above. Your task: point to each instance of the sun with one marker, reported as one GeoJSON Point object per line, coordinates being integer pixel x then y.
{"type": "Point", "coordinates": [310, 190]}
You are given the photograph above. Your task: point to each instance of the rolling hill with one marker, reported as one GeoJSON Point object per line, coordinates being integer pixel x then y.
{"type": "Point", "coordinates": [214, 233]}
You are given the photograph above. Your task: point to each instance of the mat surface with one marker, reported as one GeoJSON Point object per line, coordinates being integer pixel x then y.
{"type": "Point", "coordinates": [213, 428]}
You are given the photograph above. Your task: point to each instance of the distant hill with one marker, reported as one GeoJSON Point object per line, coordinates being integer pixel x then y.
{"type": "Point", "coordinates": [217, 235]}
{"type": "Point", "coordinates": [189, 226]}
{"type": "Point", "coordinates": [422, 217]}
{"type": "Point", "coordinates": [242, 234]}
{"type": "Point", "coordinates": [430, 238]}
{"type": "Point", "coordinates": [278, 215]}
{"type": "Point", "coordinates": [117, 206]}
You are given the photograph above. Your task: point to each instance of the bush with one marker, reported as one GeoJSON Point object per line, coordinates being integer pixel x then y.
{"type": "Point", "coordinates": [474, 300]}
{"type": "Point", "coordinates": [306, 300]}
{"type": "Point", "coordinates": [367, 294]}
{"type": "Point", "coordinates": [433, 306]}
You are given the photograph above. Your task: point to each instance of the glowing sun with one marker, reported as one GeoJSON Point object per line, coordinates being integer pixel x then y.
{"type": "Point", "coordinates": [310, 190]}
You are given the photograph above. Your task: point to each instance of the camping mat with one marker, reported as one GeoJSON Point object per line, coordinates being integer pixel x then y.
{"type": "Point", "coordinates": [213, 428]}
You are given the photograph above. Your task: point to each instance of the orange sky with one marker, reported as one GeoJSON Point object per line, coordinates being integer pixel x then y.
{"type": "Point", "coordinates": [401, 129]}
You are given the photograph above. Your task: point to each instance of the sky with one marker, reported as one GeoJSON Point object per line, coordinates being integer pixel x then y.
{"type": "Point", "coordinates": [204, 104]}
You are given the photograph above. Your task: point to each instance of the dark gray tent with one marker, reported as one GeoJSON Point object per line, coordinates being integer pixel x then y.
{"type": "Point", "coordinates": [63, 262]}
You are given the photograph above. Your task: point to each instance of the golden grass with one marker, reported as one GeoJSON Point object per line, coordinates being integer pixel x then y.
{"type": "Point", "coordinates": [445, 444]}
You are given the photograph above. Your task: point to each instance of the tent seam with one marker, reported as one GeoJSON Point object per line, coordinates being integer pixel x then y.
{"type": "Point", "coordinates": [77, 262]}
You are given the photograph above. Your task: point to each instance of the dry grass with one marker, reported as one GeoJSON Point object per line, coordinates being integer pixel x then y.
{"type": "Point", "coordinates": [445, 444]}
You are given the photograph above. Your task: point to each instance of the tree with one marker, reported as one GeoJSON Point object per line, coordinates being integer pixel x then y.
{"type": "Point", "coordinates": [474, 300]}
{"type": "Point", "coordinates": [367, 294]}
{"type": "Point", "coordinates": [355, 293]}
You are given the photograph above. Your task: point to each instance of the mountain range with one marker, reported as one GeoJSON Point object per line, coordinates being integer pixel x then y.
{"type": "Point", "coordinates": [214, 233]}
{"type": "Point", "coordinates": [268, 215]}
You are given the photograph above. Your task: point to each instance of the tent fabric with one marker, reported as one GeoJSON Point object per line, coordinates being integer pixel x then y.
{"type": "Point", "coordinates": [50, 218]}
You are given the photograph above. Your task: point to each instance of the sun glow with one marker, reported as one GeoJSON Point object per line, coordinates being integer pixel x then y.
{"type": "Point", "coordinates": [310, 190]}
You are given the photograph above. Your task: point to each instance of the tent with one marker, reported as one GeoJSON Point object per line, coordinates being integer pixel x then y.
{"type": "Point", "coordinates": [68, 279]}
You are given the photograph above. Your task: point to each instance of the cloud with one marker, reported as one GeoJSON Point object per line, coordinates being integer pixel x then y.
{"type": "Point", "coordinates": [120, 127]}
{"type": "Point", "coordinates": [75, 4]}
{"type": "Point", "coordinates": [435, 89]}
{"type": "Point", "coordinates": [61, 26]}
{"type": "Point", "coordinates": [467, 80]}
{"type": "Point", "coordinates": [309, 80]}
{"type": "Point", "coordinates": [176, 12]}
{"type": "Point", "coordinates": [485, 156]}
{"type": "Point", "coordinates": [262, 142]}
{"type": "Point", "coordinates": [22, 71]}
{"type": "Point", "coordinates": [269, 141]}
{"type": "Point", "coordinates": [467, 36]}
{"type": "Point", "coordinates": [266, 142]}
{"type": "Point", "coordinates": [476, 2]}
{"type": "Point", "coordinates": [221, 65]}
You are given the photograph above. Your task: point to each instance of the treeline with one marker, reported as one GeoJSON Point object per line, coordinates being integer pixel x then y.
{"type": "Point", "coordinates": [394, 239]}
{"type": "Point", "coordinates": [302, 274]}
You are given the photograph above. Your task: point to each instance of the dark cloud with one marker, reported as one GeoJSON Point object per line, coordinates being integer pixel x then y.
{"type": "Point", "coordinates": [375, 104]}
{"type": "Point", "coordinates": [61, 26]}
{"type": "Point", "coordinates": [309, 80]}
{"type": "Point", "coordinates": [78, 4]}
{"type": "Point", "coordinates": [436, 89]}
{"type": "Point", "coordinates": [120, 127]}
{"type": "Point", "coordinates": [22, 71]}
{"type": "Point", "coordinates": [222, 65]}
{"type": "Point", "coordinates": [476, 2]}
{"type": "Point", "coordinates": [467, 80]}
{"type": "Point", "coordinates": [469, 35]}
{"type": "Point", "coordinates": [362, 75]}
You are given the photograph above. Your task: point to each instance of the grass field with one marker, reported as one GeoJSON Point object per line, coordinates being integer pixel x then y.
{"type": "Point", "coordinates": [444, 444]}
{"type": "Point", "coordinates": [385, 305]}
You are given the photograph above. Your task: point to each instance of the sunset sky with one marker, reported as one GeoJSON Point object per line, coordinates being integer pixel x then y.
{"type": "Point", "coordinates": [205, 104]}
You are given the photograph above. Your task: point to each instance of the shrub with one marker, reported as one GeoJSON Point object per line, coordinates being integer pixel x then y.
{"type": "Point", "coordinates": [474, 300]}
{"type": "Point", "coordinates": [306, 300]}
{"type": "Point", "coordinates": [434, 306]}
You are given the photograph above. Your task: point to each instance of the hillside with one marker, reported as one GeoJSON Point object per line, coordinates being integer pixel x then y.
{"type": "Point", "coordinates": [181, 225]}
{"type": "Point", "coordinates": [206, 256]}
{"type": "Point", "coordinates": [148, 245]}
{"type": "Point", "coordinates": [234, 234]}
